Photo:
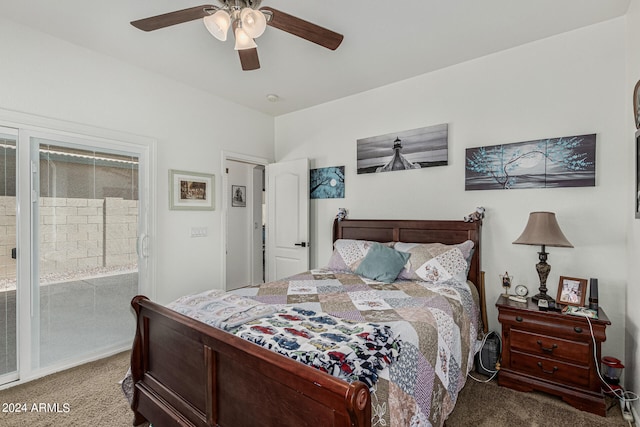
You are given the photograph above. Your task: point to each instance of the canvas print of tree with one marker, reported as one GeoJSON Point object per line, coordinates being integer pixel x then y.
{"type": "Point", "coordinates": [569, 161]}
{"type": "Point", "coordinates": [410, 149]}
{"type": "Point", "coordinates": [327, 183]}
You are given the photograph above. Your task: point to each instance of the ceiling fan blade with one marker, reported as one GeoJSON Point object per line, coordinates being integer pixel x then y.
{"type": "Point", "coordinates": [173, 18]}
{"type": "Point", "coordinates": [304, 29]}
{"type": "Point", "coordinates": [249, 59]}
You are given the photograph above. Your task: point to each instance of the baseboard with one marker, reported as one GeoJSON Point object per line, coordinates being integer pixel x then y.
{"type": "Point", "coordinates": [92, 357]}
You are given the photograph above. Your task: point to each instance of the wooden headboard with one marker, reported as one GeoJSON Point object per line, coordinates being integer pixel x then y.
{"type": "Point", "coordinates": [420, 231]}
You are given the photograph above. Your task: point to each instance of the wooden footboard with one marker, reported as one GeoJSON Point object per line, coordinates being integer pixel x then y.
{"type": "Point", "coordinates": [187, 373]}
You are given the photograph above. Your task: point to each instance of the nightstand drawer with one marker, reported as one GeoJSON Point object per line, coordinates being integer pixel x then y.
{"type": "Point", "coordinates": [549, 369]}
{"type": "Point", "coordinates": [550, 347]}
{"type": "Point", "coordinates": [571, 328]}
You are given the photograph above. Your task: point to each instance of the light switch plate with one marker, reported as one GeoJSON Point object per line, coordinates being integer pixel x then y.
{"type": "Point", "coordinates": [199, 231]}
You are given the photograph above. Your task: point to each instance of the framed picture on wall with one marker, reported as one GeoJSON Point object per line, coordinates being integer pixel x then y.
{"type": "Point", "coordinates": [327, 183]}
{"type": "Point", "coordinates": [191, 190]}
{"type": "Point", "coordinates": [567, 161]}
{"type": "Point", "coordinates": [239, 196]}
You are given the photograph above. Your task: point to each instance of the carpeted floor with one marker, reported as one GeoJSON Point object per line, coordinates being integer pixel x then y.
{"type": "Point", "coordinates": [90, 395]}
{"type": "Point", "coordinates": [489, 405]}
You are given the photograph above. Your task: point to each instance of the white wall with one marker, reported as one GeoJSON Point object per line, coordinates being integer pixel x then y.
{"type": "Point", "coordinates": [632, 356]}
{"type": "Point", "coordinates": [569, 84]}
{"type": "Point", "coordinates": [44, 76]}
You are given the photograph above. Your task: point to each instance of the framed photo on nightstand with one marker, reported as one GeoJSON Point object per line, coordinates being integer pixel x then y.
{"type": "Point", "coordinates": [572, 291]}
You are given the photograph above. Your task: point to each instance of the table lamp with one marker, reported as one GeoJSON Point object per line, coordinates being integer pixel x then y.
{"type": "Point", "coordinates": [543, 229]}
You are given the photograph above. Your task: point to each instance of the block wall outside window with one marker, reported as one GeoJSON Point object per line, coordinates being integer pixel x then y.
{"type": "Point", "coordinates": [79, 236]}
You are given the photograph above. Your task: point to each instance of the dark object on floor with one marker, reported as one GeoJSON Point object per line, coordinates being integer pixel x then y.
{"type": "Point", "coordinates": [488, 356]}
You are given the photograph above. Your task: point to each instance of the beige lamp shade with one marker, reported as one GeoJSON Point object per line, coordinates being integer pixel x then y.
{"type": "Point", "coordinates": [542, 229]}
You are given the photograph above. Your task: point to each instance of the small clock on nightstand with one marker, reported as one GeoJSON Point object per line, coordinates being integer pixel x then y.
{"type": "Point", "coordinates": [522, 291]}
{"type": "Point", "coordinates": [521, 294]}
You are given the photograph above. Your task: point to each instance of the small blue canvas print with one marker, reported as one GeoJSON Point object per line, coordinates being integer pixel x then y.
{"type": "Point", "coordinates": [327, 183]}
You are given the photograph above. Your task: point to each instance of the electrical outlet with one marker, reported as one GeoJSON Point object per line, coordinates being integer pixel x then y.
{"type": "Point", "coordinates": [199, 231]}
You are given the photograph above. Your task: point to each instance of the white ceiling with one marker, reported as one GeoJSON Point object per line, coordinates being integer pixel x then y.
{"type": "Point", "coordinates": [384, 42]}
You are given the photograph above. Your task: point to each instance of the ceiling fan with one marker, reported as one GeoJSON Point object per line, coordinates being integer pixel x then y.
{"type": "Point", "coordinates": [248, 21]}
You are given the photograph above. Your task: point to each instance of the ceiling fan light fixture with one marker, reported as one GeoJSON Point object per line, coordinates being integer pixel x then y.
{"type": "Point", "coordinates": [218, 24]}
{"type": "Point", "coordinates": [253, 22]}
{"type": "Point", "coordinates": [246, 21]}
{"type": "Point", "coordinates": [243, 41]}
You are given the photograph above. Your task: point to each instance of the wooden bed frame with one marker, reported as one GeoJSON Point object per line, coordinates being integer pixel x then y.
{"type": "Point", "coordinates": [186, 373]}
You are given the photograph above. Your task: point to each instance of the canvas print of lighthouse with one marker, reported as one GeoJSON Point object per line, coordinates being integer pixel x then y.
{"type": "Point", "coordinates": [410, 149]}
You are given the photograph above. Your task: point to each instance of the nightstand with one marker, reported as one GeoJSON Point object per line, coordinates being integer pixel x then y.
{"type": "Point", "coordinates": [551, 352]}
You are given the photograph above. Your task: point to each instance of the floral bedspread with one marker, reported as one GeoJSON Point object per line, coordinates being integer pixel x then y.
{"type": "Point", "coordinates": [345, 349]}
{"type": "Point", "coordinates": [437, 323]}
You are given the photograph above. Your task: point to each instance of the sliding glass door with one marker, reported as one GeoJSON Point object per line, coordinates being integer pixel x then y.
{"type": "Point", "coordinates": [87, 223]}
{"type": "Point", "coordinates": [75, 214]}
{"type": "Point", "coordinates": [8, 302]}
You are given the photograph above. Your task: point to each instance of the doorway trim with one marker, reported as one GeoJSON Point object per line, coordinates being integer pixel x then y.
{"type": "Point", "coordinates": [237, 157]}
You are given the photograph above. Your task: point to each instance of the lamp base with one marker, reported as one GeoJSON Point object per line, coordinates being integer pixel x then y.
{"type": "Point", "coordinates": [540, 296]}
{"type": "Point", "coordinates": [543, 272]}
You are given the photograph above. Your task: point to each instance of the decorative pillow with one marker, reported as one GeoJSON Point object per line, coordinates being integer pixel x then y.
{"type": "Point", "coordinates": [436, 262]}
{"type": "Point", "coordinates": [348, 254]}
{"type": "Point", "coordinates": [382, 263]}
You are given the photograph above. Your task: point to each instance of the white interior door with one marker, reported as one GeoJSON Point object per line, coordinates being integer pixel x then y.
{"type": "Point", "coordinates": [287, 218]}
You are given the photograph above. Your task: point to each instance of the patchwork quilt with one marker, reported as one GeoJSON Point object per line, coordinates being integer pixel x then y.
{"type": "Point", "coordinates": [342, 348]}
{"type": "Point", "coordinates": [436, 322]}
{"type": "Point", "coordinates": [345, 349]}
{"type": "Point", "coordinates": [220, 309]}
{"type": "Point", "coordinates": [412, 342]}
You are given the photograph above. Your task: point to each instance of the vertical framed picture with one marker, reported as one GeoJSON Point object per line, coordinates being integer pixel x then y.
{"type": "Point", "coordinates": [239, 196]}
{"type": "Point", "coordinates": [191, 190]}
{"type": "Point", "coordinates": [572, 291]}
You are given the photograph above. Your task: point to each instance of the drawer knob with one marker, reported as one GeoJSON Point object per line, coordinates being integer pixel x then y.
{"type": "Point", "coordinates": [547, 349]}
{"type": "Point", "coordinates": [578, 329]}
{"type": "Point", "coordinates": [518, 319]}
{"type": "Point", "coordinates": [553, 371]}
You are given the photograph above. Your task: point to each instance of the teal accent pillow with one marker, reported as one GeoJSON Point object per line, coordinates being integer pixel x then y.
{"type": "Point", "coordinates": [382, 263]}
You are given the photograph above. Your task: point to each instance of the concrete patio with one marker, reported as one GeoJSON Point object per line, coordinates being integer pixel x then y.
{"type": "Point", "coordinates": [76, 317]}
